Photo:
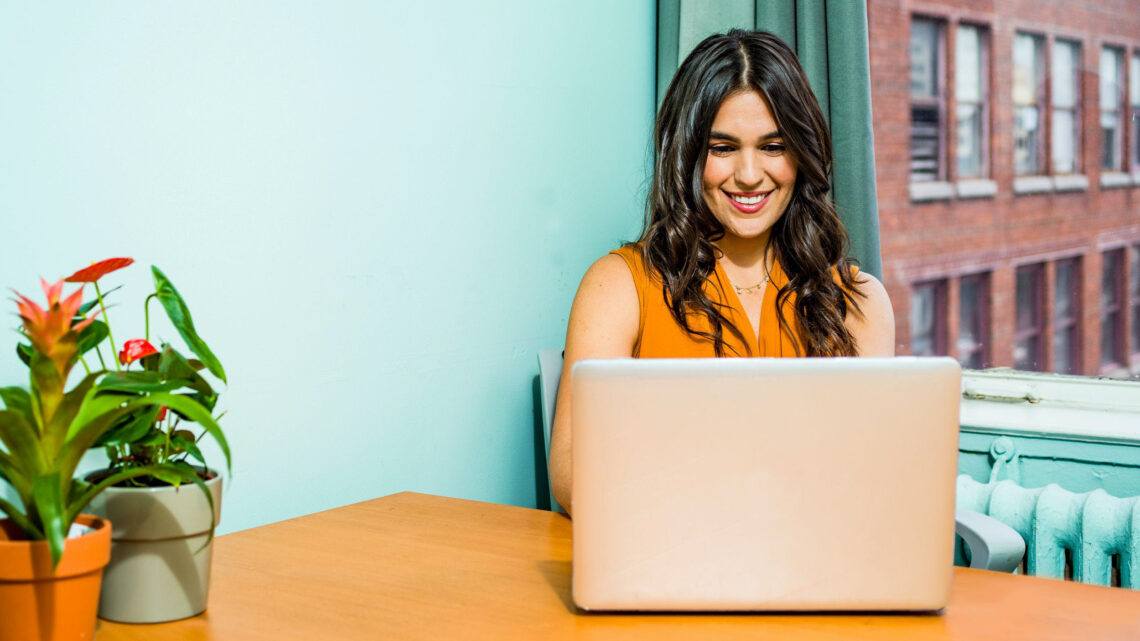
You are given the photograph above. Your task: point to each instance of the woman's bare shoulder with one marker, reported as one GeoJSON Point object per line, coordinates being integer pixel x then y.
{"type": "Point", "coordinates": [874, 327]}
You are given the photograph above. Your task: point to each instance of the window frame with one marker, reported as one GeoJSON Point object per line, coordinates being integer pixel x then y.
{"type": "Point", "coordinates": [1076, 109]}
{"type": "Point", "coordinates": [1041, 103]}
{"type": "Point", "coordinates": [1119, 108]}
{"type": "Point", "coordinates": [1037, 330]}
{"type": "Point", "coordinates": [939, 331]}
{"type": "Point", "coordinates": [1133, 105]}
{"type": "Point", "coordinates": [1073, 320]}
{"type": "Point", "coordinates": [1112, 362]}
{"type": "Point", "coordinates": [983, 104]}
{"type": "Point", "coordinates": [1133, 302]}
{"type": "Point", "coordinates": [981, 320]}
{"type": "Point", "coordinates": [941, 157]}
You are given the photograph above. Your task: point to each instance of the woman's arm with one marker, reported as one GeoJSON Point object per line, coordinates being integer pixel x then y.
{"type": "Point", "coordinates": [603, 324]}
{"type": "Point", "coordinates": [874, 329]}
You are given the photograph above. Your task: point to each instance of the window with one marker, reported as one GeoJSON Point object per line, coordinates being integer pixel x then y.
{"type": "Point", "coordinates": [1134, 92]}
{"type": "Point", "coordinates": [926, 122]}
{"type": "Point", "coordinates": [970, 101]}
{"type": "Point", "coordinates": [1030, 319]}
{"type": "Point", "coordinates": [1111, 312]}
{"type": "Point", "coordinates": [973, 321]}
{"type": "Point", "coordinates": [1066, 102]}
{"type": "Point", "coordinates": [1111, 95]}
{"type": "Point", "coordinates": [1028, 103]}
{"type": "Point", "coordinates": [1134, 301]}
{"type": "Point", "coordinates": [927, 314]}
{"type": "Point", "coordinates": [1067, 316]}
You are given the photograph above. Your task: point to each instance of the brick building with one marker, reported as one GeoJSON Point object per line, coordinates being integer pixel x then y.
{"type": "Point", "coordinates": [1007, 144]}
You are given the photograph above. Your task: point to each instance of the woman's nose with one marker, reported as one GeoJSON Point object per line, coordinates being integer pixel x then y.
{"type": "Point", "coordinates": [749, 171]}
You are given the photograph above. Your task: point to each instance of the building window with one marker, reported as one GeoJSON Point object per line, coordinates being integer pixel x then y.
{"type": "Point", "coordinates": [1028, 103]}
{"type": "Point", "coordinates": [1066, 107]}
{"type": "Point", "coordinates": [973, 321]}
{"type": "Point", "coordinates": [1111, 310]}
{"type": "Point", "coordinates": [926, 87]}
{"type": "Point", "coordinates": [1027, 352]}
{"type": "Point", "coordinates": [1111, 114]}
{"type": "Point", "coordinates": [1134, 92]}
{"type": "Point", "coordinates": [1067, 316]}
{"type": "Point", "coordinates": [1134, 301]}
{"type": "Point", "coordinates": [927, 319]}
{"type": "Point", "coordinates": [970, 63]}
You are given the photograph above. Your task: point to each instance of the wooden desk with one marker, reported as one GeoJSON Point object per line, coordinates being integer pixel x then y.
{"type": "Point", "coordinates": [413, 566]}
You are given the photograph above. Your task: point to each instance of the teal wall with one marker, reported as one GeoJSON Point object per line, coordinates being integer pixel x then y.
{"type": "Point", "coordinates": [378, 212]}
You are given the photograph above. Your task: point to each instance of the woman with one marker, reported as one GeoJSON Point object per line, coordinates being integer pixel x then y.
{"type": "Point", "coordinates": [742, 253]}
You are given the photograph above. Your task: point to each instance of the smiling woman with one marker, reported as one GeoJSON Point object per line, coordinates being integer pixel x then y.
{"type": "Point", "coordinates": [742, 253]}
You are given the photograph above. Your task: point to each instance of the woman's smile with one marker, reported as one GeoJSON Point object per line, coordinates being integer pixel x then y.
{"type": "Point", "coordinates": [748, 203]}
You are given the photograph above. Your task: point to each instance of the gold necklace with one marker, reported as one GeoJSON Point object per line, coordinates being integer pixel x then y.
{"type": "Point", "coordinates": [740, 291]}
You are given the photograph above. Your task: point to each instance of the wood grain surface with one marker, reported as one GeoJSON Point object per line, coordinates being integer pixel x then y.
{"type": "Point", "coordinates": [414, 566]}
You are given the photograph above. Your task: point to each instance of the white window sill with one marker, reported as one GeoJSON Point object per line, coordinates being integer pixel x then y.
{"type": "Point", "coordinates": [1136, 178]}
{"type": "Point", "coordinates": [1114, 179]}
{"type": "Point", "coordinates": [1003, 401]}
{"type": "Point", "coordinates": [1032, 184]}
{"type": "Point", "coordinates": [977, 188]}
{"type": "Point", "coordinates": [928, 191]}
{"type": "Point", "coordinates": [1071, 182]}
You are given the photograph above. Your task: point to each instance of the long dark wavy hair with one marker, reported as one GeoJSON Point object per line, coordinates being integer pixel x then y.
{"type": "Point", "coordinates": [809, 240]}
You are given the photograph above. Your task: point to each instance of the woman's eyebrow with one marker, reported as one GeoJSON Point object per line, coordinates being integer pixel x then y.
{"type": "Point", "coordinates": [720, 135]}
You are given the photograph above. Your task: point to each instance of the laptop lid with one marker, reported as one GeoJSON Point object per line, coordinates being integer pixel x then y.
{"type": "Point", "coordinates": [764, 484]}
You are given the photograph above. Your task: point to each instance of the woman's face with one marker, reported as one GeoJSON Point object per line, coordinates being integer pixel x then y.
{"type": "Point", "coordinates": [749, 173]}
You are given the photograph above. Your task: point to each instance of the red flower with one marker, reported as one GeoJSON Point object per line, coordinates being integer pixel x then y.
{"type": "Point", "coordinates": [50, 329]}
{"type": "Point", "coordinates": [161, 413]}
{"type": "Point", "coordinates": [98, 270]}
{"type": "Point", "coordinates": [135, 349]}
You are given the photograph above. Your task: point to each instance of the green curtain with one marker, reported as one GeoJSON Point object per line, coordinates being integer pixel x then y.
{"type": "Point", "coordinates": [830, 38]}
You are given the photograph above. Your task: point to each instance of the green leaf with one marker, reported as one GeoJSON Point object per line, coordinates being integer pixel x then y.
{"type": "Point", "coordinates": [179, 314]}
{"type": "Point", "coordinates": [195, 412]}
{"type": "Point", "coordinates": [22, 442]}
{"type": "Point", "coordinates": [24, 352]}
{"type": "Point", "coordinates": [47, 495]}
{"type": "Point", "coordinates": [86, 307]}
{"type": "Point", "coordinates": [76, 506]}
{"type": "Point", "coordinates": [139, 383]}
{"type": "Point", "coordinates": [130, 427]}
{"type": "Point", "coordinates": [13, 473]}
{"type": "Point", "coordinates": [172, 366]}
{"type": "Point", "coordinates": [188, 445]}
{"type": "Point", "coordinates": [92, 336]}
{"type": "Point", "coordinates": [55, 433]}
{"type": "Point", "coordinates": [18, 400]}
{"type": "Point", "coordinates": [22, 521]}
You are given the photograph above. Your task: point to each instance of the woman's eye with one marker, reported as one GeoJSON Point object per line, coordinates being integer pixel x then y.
{"type": "Point", "coordinates": [774, 149]}
{"type": "Point", "coordinates": [720, 150]}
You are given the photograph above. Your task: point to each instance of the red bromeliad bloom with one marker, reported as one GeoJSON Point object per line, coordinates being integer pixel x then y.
{"type": "Point", "coordinates": [135, 349]}
{"type": "Point", "coordinates": [50, 329]}
{"type": "Point", "coordinates": [98, 270]}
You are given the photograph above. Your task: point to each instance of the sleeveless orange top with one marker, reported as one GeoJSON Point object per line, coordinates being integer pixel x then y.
{"type": "Point", "coordinates": [659, 335]}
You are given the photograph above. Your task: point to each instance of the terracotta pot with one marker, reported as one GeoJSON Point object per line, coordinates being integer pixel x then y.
{"type": "Point", "coordinates": [160, 559]}
{"type": "Point", "coordinates": [37, 604]}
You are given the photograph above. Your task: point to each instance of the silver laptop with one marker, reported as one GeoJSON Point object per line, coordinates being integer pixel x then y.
{"type": "Point", "coordinates": [764, 484]}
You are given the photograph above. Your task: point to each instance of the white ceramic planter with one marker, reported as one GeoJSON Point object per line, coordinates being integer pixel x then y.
{"type": "Point", "coordinates": [159, 570]}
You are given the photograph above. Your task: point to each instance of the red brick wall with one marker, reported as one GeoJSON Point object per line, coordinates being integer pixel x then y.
{"type": "Point", "coordinates": [921, 241]}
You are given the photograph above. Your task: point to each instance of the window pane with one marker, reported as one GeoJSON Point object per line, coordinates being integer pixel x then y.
{"type": "Point", "coordinates": [968, 64]}
{"type": "Point", "coordinates": [1025, 151]}
{"type": "Point", "coordinates": [1134, 281]}
{"type": "Point", "coordinates": [1064, 74]}
{"type": "Point", "coordinates": [922, 320]}
{"type": "Point", "coordinates": [1110, 334]}
{"type": "Point", "coordinates": [1110, 140]}
{"type": "Point", "coordinates": [1134, 82]}
{"type": "Point", "coordinates": [1109, 292]}
{"type": "Point", "coordinates": [1064, 143]}
{"type": "Point", "coordinates": [971, 330]}
{"type": "Point", "coordinates": [1063, 342]}
{"type": "Point", "coordinates": [1024, 70]}
{"type": "Point", "coordinates": [1109, 338]}
{"type": "Point", "coordinates": [923, 59]}
{"type": "Point", "coordinates": [1028, 310]}
{"type": "Point", "coordinates": [1063, 288]}
{"type": "Point", "coordinates": [1025, 354]}
{"type": "Point", "coordinates": [969, 148]}
{"type": "Point", "coordinates": [1109, 82]}
{"type": "Point", "coordinates": [925, 143]}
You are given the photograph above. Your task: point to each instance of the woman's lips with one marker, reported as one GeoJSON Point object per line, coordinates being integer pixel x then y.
{"type": "Point", "coordinates": [747, 208]}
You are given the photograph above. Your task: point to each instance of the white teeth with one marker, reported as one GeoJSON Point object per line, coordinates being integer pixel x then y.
{"type": "Point", "coordinates": [749, 201]}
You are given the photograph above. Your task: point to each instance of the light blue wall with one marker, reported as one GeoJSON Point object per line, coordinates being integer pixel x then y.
{"type": "Point", "coordinates": [378, 212]}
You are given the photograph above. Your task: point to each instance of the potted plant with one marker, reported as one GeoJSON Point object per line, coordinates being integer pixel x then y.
{"type": "Point", "coordinates": [162, 542]}
{"type": "Point", "coordinates": [50, 568]}
{"type": "Point", "coordinates": [50, 571]}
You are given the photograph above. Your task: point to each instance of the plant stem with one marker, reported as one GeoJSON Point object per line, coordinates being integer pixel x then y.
{"type": "Point", "coordinates": [110, 336]}
{"type": "Point", "coordinates": [146, 315]}
{"type": "Point", "coordinates": [84, 361]}
{"type": "Point", "coordinates": [98, 353]}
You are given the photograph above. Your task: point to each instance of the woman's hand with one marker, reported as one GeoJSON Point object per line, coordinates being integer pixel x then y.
{"type": "Point", "coordinates": [603, 324]}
